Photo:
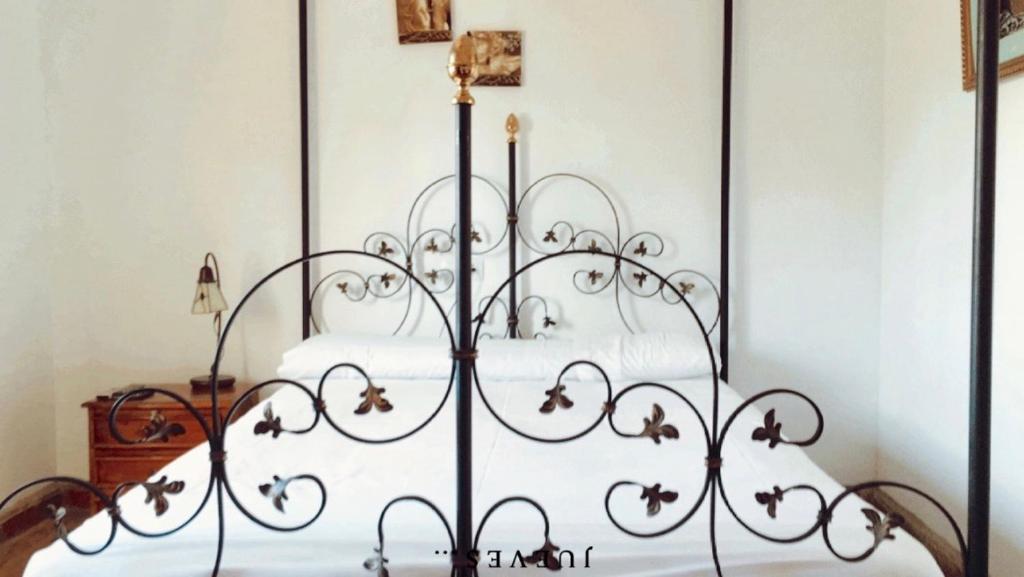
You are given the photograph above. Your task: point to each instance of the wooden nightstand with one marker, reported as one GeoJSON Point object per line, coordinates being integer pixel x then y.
{"type": "Point", "coordinates": [111, 462]}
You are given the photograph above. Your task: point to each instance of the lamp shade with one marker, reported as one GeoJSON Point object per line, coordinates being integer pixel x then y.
{"type": "Point", "coordinates": [208, 297]}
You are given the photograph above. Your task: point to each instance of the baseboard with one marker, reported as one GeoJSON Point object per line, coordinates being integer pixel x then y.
{"type": "Point", "coordinates": [945, 553]}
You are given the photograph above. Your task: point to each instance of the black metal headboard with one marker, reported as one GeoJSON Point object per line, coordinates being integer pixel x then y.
{"type": "Point", "coordinates": [520, 316]}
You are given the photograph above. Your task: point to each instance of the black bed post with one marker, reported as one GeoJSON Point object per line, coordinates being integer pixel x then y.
{"type": "Point", "coordinates": [304, 122]}
{"type": "Point", "coordinates": [512, 127]}
{"type": "Point", "coordinates": [462, 69]}
{"type": "Point", "coordinates": [723, 327]}
{"type": "Point", "coordinates": [980, 461]}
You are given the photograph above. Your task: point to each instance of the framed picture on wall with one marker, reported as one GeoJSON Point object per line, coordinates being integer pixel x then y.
{"type": "Point", "coordinates": [499, 57]}
{"type": "Point", "coordinates": [1011, 39]}
{"type": "Point", "coordinates": [424, 21]}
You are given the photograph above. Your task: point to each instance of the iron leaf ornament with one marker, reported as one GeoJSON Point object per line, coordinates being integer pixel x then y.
{"type": "Point", "coordinates": [556, 398]}
{"type": "Point", "coordinates": [655, 497]}
{"type": "Point", "coordinates": [771, 431]}
{"type": "Point", "coordinates": [641, 249]}
{"type": "Point", "coordinates": [156, 493]}
{"type": "Point", "coordinates": [594, 276]}
{"type": "Point", "coordinates": [545, 557]}
{"type": "Point", "coordinates": [59, 515]}
{"type": "Point", "coordinates": [432, 246]}
{"type": "Point", "coordinates": [882, 528]}
{"type": "Point", "coordinates": [656, 428]}
{"type": "Point", "coordinates": [384, 250]}
{"type": "Point", "coordinates": [276, 491]}
{"type": "Point", "coordinates": [549, 236]}
{"type": "Point", "coordinates": [641, 278]}
{"type": "Point", "coordinates": [270, 423]}
{"type": "Point", "coordinates": [771, 500]}
{"type": "Point", "coordinates": [158, 429]}
{"type": "Point", "coordinates": [373, 398]}
{"type": "Point", "coordinates": [378, 563]}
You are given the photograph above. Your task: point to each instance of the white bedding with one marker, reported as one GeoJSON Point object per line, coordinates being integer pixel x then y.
{"type": "Point", "coordinates": [569, 480]}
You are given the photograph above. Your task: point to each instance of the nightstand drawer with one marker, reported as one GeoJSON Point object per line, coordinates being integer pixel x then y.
{"type": "Point", "coordinates": [165, 427]}
{"type": "Point", "coordinates": [110, 471]}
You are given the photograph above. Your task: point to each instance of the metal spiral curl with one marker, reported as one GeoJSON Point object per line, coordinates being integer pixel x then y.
{"type": "Point", "coordinates": [156, 432]}
{"type": "Point", "coordinates": [542, 557]}
{"type": "Point", "coordinates": [378, 562]}
{"type": "Point", "coordinates": [556, 396]}
{"type": "Point", "coordinates": [408, 253]}
{"type": "Point", "coordinates": [878, 526]}
{"type": "Point", "coordinates": [546, 321]}
{"type": "Point", "coordinates": [655, 428]}
{"type": "Point", "coordinates": [57, 514]}
{"type": "Point", "coordinates": [562, 236]}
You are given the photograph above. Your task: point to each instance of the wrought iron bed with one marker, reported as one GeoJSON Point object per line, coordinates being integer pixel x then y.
{"type": "Point", "coordinates": [466, 328]}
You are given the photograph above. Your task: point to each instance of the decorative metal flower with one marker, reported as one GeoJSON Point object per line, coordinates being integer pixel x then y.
{"type": "Point", "coordinates": [159, 430]}
{"type": "Point", "coordinates": [270, 423]}
{"type": "Point", "coordinates": [373, 398]}
{"type": "Point", "coordinates": [549, 322]}
{"type": "Point", "coordinates": [686, 287]}
{"type": "Point", "coordinates": [556, 398]}
{"type": "Point", "coordinates": [771, 431]}
{"type": "Point", "coordinates": [656, 428]}
{"type": "Point", "coordinates": [387, 278]}
{"type": "Point", "coordinates": [641, 249]}
{"type": "Point", "coordinates": [641, 278]}
{"type": "Point", "coordinates": [771, 500]}
{"type": "Point", "coordinates": [594, 276]}
{"type": "Point", "coordinates": [592, 247]}
{"type": "Point", "coordinates": [432, 246]}
{"type": "Point", "coordinates": [432, 276]}
{"type": "Point", "coordinates": [549, 236]}
{"type": "Point", "coordinates": [157, 492]}
{"type": "Point", "coordinates": [655, 497]}
{"type": "Point", "coordinates": [882, 528]}
{"type": "Point", "coordinates": [546, 556]}
{"type": "Point", "coordinates": [343, 287]}
{"type": "Point", "coordinates": [378, 563]}
{"type": "Point", "coordinates": [384, 250]}
{"type": "Point", "coordinates": [276, 491]}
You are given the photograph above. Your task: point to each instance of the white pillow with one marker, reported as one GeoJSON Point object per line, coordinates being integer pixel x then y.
{"type": "Point", "coordinates": [648, 356]}
{"type": "Point", "coordinates": [675, 355]}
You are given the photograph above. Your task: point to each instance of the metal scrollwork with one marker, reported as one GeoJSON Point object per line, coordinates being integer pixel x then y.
{"type": "Point", "coordinates": [412, 253]}
{"type": "Point", "coordinates": [622, 277]}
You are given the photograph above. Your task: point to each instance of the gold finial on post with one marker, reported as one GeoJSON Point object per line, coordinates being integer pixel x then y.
{"type": "Point", "coordinates": [512, 127]}
{"type": "Point", "coordinates": [462, 67]}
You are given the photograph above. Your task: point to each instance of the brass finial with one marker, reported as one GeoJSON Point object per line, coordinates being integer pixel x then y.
{"type": "Point", "coordinates": [512, 127]}
{"type": "Point", "coordinates": [462, 67]}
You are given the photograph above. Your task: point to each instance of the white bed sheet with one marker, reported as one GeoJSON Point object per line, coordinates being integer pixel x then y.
{"type": "Point", "coordinates": [569, 480]}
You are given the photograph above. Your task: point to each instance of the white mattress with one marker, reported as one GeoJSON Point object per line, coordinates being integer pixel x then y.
{"type": "Point", "coordinates": [569, 480]}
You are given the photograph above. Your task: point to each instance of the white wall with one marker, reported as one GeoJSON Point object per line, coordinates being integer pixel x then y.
{"type": "Point", "coordinates": [175, 131]}
{"type": "Point", "coordinates": [807, 204]}
{"type": "Point", "coordinates": [926, 273]}
{"type": "Point", "coordinates": [26, 358]}
{"type": "Point", "coordinates": [630, 95]}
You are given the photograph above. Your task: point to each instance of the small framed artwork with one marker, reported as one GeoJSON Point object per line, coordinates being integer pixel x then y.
{"type": "Point", "coordinates": [1011, 39]}
{"type": "Point", "coordinates": [424, 21]}
{"type": "Point", "coordinates": [499, 57]}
